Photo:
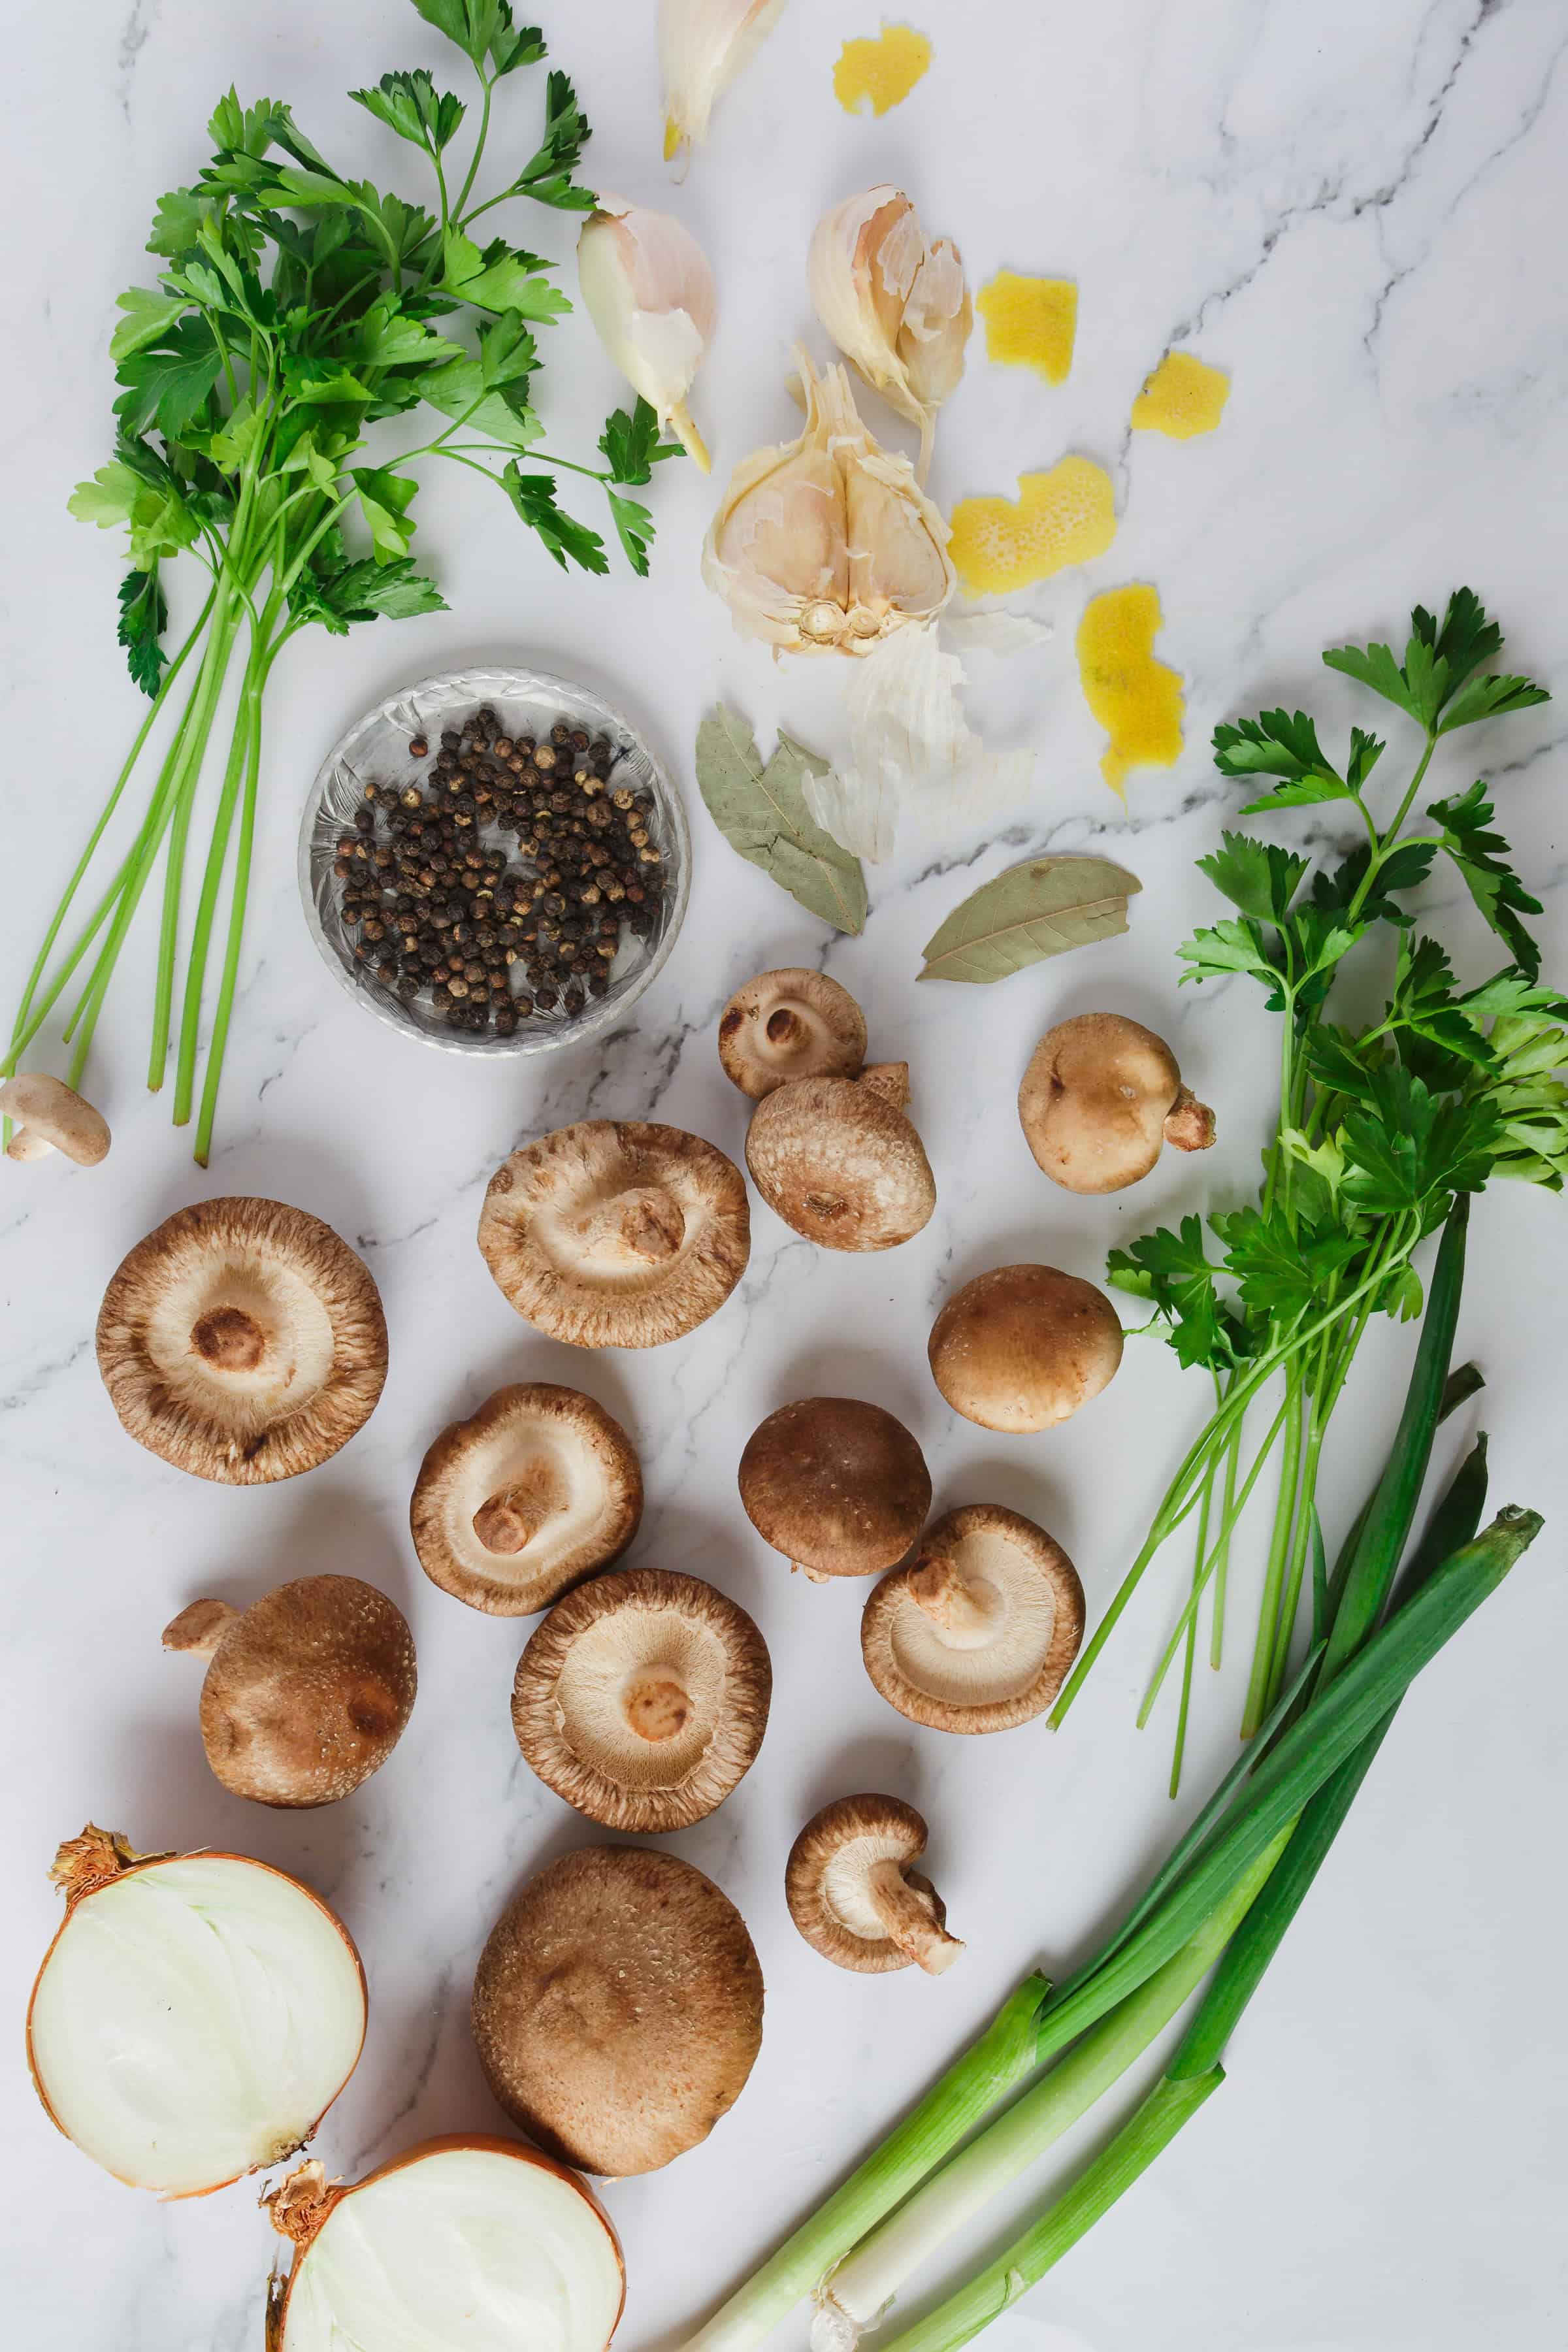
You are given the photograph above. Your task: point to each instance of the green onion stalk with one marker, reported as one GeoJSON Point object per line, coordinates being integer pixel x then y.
{"type": "Point", "coordinates": [295, 308]}
{"type": "Point", "coordinates": [1380, 1129]}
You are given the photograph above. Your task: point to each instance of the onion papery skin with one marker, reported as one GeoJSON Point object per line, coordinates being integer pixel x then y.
{"type": "Point", "coordinates": [306, 2229]}
{"type": "Point", "coordinates": [298, 2131]}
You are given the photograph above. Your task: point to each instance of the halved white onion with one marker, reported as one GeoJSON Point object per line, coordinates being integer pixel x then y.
{"type": "Point", "coordinates": [471, 2244]}
{"type": "Point", "coordinates": [196, 2016]}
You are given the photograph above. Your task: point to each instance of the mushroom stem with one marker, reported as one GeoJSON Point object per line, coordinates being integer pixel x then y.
{"type": "Point", "coordinates": [27, 1145]}
{"type": "Point", "coordinates": [890, 1080]}
{"type": "Point", "coordinates": [1189, 1124]}
{"type": "Point", "coordinates": [511, 1517]}
{"type": "Point", "coordinates": [199, 1630]}
{"type": "Point", "coordinates": [656, 1705]}
{"type": "Point", "coordinates": [911, 1916]}
{"type": "Point", "coordinates": [968, 1609]}
{"type": "Point", "coordinates": [646, 1224]}
{"type": "Point", "coordinates": [228, 1339]}
{"type": "Point", "coordinates": [784, 1026]}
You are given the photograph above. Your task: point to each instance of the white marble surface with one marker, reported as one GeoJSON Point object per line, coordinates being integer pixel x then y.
{"type": "Point", "coordinates": [1358, 211]}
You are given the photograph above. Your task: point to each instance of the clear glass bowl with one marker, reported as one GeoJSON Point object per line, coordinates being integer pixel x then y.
{"type": "Point", "coordinates": [375, 748]}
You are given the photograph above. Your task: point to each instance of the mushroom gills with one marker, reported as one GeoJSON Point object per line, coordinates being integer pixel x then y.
{"type": "Point", "coordinates": [867, 1889]}
{"type": "Point", "coordinates": [983, 1626]}
{"type": "Point", "coordinates": [459, 2246]}
{"type": "Point", "coordinates": [646, 1725]}
{"type": "Point", "coordinates": [195, 2020]}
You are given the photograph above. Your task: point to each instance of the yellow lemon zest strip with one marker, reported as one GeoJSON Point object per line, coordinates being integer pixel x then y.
{"type": "Point", "coordinates": [1137, 700]}
{"type": "Point", "coordinates": [1030, 323]}
{"type": "Point", "coordinates": [1185, 397]}
{"type": "Point", "coordinates": [1062, 518]}
{"type": "Point", "coordinates": [880, 72]}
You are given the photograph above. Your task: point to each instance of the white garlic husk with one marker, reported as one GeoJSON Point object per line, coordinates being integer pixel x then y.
{"type": "Point", "coordinates": [703, 45]}
{"type": "Point", "coordinates": [647, 288]}
{"type": "Point", "coordinates": [898, 307]}
{"type": "Point", "coordinates": [828, 544]}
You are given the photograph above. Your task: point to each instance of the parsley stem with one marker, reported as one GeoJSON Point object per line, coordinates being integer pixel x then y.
{"type": "Point", "coordinates": [1234, 1503]}
{"type": "Point", "coordinates": [237, 902]}
{"type": "Point", "coordinates": [1286, 1512]}
{"type": "Point", "coordinates": [212, 878]}
{"type": "Point", "coordinates": [1200, 1549]}
{"type": "Point", "coordinates": [472, 173]}
{"type": "Point", "coordinates": [1222, 1558]}
{"type": "Point", "coordinates": [209, 687]}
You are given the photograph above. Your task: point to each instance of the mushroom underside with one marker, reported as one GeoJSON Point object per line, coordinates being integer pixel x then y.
{"type": "Point", "coordinates": [978, 1634]}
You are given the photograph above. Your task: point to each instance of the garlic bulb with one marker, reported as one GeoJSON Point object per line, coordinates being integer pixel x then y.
{"type": "Point", "coordinates": [703, 45]}
{"type": "Point", "coordinates": [897, 307]}
{"type": "Point", "coordinates": [650, 291]}
{"type": "Point", "coordinates": [828, 544]}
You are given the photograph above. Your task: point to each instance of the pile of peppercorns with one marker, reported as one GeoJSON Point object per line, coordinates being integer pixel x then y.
{"type": "Point", "coordinates": [439, 916]}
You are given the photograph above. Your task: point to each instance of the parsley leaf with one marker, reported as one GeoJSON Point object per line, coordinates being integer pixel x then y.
{"type": "Point", "coordinates": [168, 383]}
{"type": "Point", "coordinates": [384, 500]}
{"type": "Point", "coordinates": [500, 280]}
{"type": "Point", "coordinates": [1172, 1270]}
{"type": "Point", "coordinates": [547, 174]}
{"type": "Point", "coordinates": [1430, 685]}
{"type": "Point", "coordinates": [1259, 877]}
{"type": "Point", "coordinates": [533, 495]}
{"type": "Point", "coordinates": [1481, 857]}
{"type": "Point", "coordinates": [410, 104]}
{"type": "Point", "coordinates": [633, 528]}
{"type": "Point", "coordinates": [1408, 1148]}
{"type": "Point", "coordinates": [1281, 1271]}
{"type": "Point", "coordinates": [1278, 744]}
{"type": "Point", "coordinates": [143, 617]}
{"type": "Point", "coordinates": [631, 444]}
{"type": "Point", "coordinates": [1225, 947]}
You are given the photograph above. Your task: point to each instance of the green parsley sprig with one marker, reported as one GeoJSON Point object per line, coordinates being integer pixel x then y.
{"type": "Point", "coordinates": [296, 307]}
{"type": "Point", "coordinates": [1380, 1129]}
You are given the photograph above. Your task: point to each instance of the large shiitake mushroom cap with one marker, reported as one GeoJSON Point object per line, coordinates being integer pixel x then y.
{"type": "Point", "coordinates": [536, 1490]}
{"type": "Point", "coordinates": [619, 2007]}
{"type": "Point", "coordinates": [308, 1691]}
{"type": "Point", "coordinates": [839, 1163]}
{"type": "Point", "coordinates": [787, 1025]}
{"type": "Point", "coordinates": [616, 1234]}
{"type": "Point", "coordinates": [1021, 1348]}
{"type": "Point", "coordinates": [1099, 1097]}
{"type": "Point", "coordinates": [242, 1341]}
{"type": "Point", "coordinates": [855, 1898]}
{"type": "Point", "coordinates": [839, 1486]}
{"type": "Point", "coordinates": [642, 1699]}
{"type": "Point", "coordinates": [978, 1632]}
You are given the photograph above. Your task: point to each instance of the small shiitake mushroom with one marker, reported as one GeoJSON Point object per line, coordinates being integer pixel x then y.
{"type": "Point", "coordinates": [795, 1024]}
{"type": "Point", "coordinates": [306, 1691]}
{"type": "Point", "coordinates": [977, 1632]}
{"type": "Point", "coordinates": [1101, 1097]}
{"type": "Point", "coordinates": [536, 1490]}
{"type": "Point", "coordinates": [47, 1115]}
{"type": "Point", "coordinates": [839, 1163]}
{"type": "Point", "coordinates": [616, 1232]}
{"type": "Point", "coordinates": [243, 1342]}
{"type": "Point", "coordinates": [619, 2007]}
{"type": "Point", "coordinates": [1021, 1348]}
{"type": "Point", "coordinates": [839, 1486]}
{"type": "Point", "coordinates": [853, 1896]}
{"type": "Point", "coordinates": [642, 1699]}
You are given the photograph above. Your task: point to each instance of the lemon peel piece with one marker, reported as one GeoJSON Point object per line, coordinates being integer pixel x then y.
{"type": "Point", "coordinates": [1059, 518]}
{"type": "Point", "coordinates": [1137, 700]}
{"type": "Point", "coordinates": [880, 72]}
{"type": "Point", "coordinates": [1184, 397]}
{"type": "Point", "coordinates": [1030, 323]}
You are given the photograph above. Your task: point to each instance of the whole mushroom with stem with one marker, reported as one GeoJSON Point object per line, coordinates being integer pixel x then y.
{"type": "Point", "coordinates": [536, 1490]}
{"type": "Point", "coordinates": [242, 1341]}
{"type": "Point", "coordinates": [1099, 1099]}
{"type": "Point", "coordinates": [853, 1896]}
{"type": "Point", "coordinates": [837, 1486]}
{"type": "Point", "coordinates": [1021, 1348]}
{"type": "Point", "coordinates": [306, 1691]}
{"type": "Point", "coordinates": [616, 1232]}
{"type": "Point", "coordinates": [47, 1116]}
{"type": "Point", "coordinates": [978, 1632]}
{"type": "Point", "coordinates": [642, 1699]}
{"type": "Point", "coordinates": [786, 1024]}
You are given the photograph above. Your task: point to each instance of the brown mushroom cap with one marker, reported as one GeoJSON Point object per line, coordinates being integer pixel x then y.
{"type": "Point", "coordinates": [1099, 1097]}
{"type": "Point", "coordinates": [642, 1699]}
{"type": "Point", "coordinates": [48, 1116]}
{"type": "Point", "coordinates": [853, 1896]}
{"type": "Point", "coordinates": [308, 1691]}
{"type": "Point", "coordinates": [242, 1341]}
{"type": "Point", "coordinates": [536, 1490]}
{"type": "Point", "coordinates": [790, 1024]}
{"type": "Point", "coordinates": [619, 2007]}
{"type": "Point", "coordinates": [839, 1486]}
{"type": "Point", "coordinates": [976, 1634]}
{"type": "Point", "coordinates": [616, 1234]}
{"type": "Point", "coordinates": [1021, 1348]}
{"type": "Point", "coordinates": [839, 1163]}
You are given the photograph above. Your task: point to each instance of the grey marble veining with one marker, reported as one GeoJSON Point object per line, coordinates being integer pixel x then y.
{"type": "Point", "coordinates": [1355, 210]}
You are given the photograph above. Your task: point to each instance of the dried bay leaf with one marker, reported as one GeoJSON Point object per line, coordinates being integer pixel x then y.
{"type": "Point", "coordinates": [762, 812]}
{"type": "Point", "coordinates": [1040, 908]}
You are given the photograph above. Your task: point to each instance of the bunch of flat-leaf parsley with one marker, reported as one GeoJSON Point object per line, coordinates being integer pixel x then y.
{"type": "Point", "coordinates": [1380, 1129]}
{"type": "Point", "coordinates": [294, 306]}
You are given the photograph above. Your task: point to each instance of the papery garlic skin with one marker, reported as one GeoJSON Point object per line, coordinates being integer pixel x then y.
{"type": "Point", "coordinates": [703, 45]}
{"type": "Point", "coordinates": [897, 308]}
{"type": "Point", "coordinates": [647, 288]}
{"type": "Point", "coordinates": [828, 544]}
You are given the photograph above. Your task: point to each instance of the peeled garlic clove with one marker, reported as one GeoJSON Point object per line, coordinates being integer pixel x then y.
{"type": "Point", "coordinates": [828, 544]}
{"type": "Point", "coordinates": [897, 308]}
{"type": "Point", "coordinates": [703, 45]}
{"type": "Point", "coordinates": [647, 288]}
